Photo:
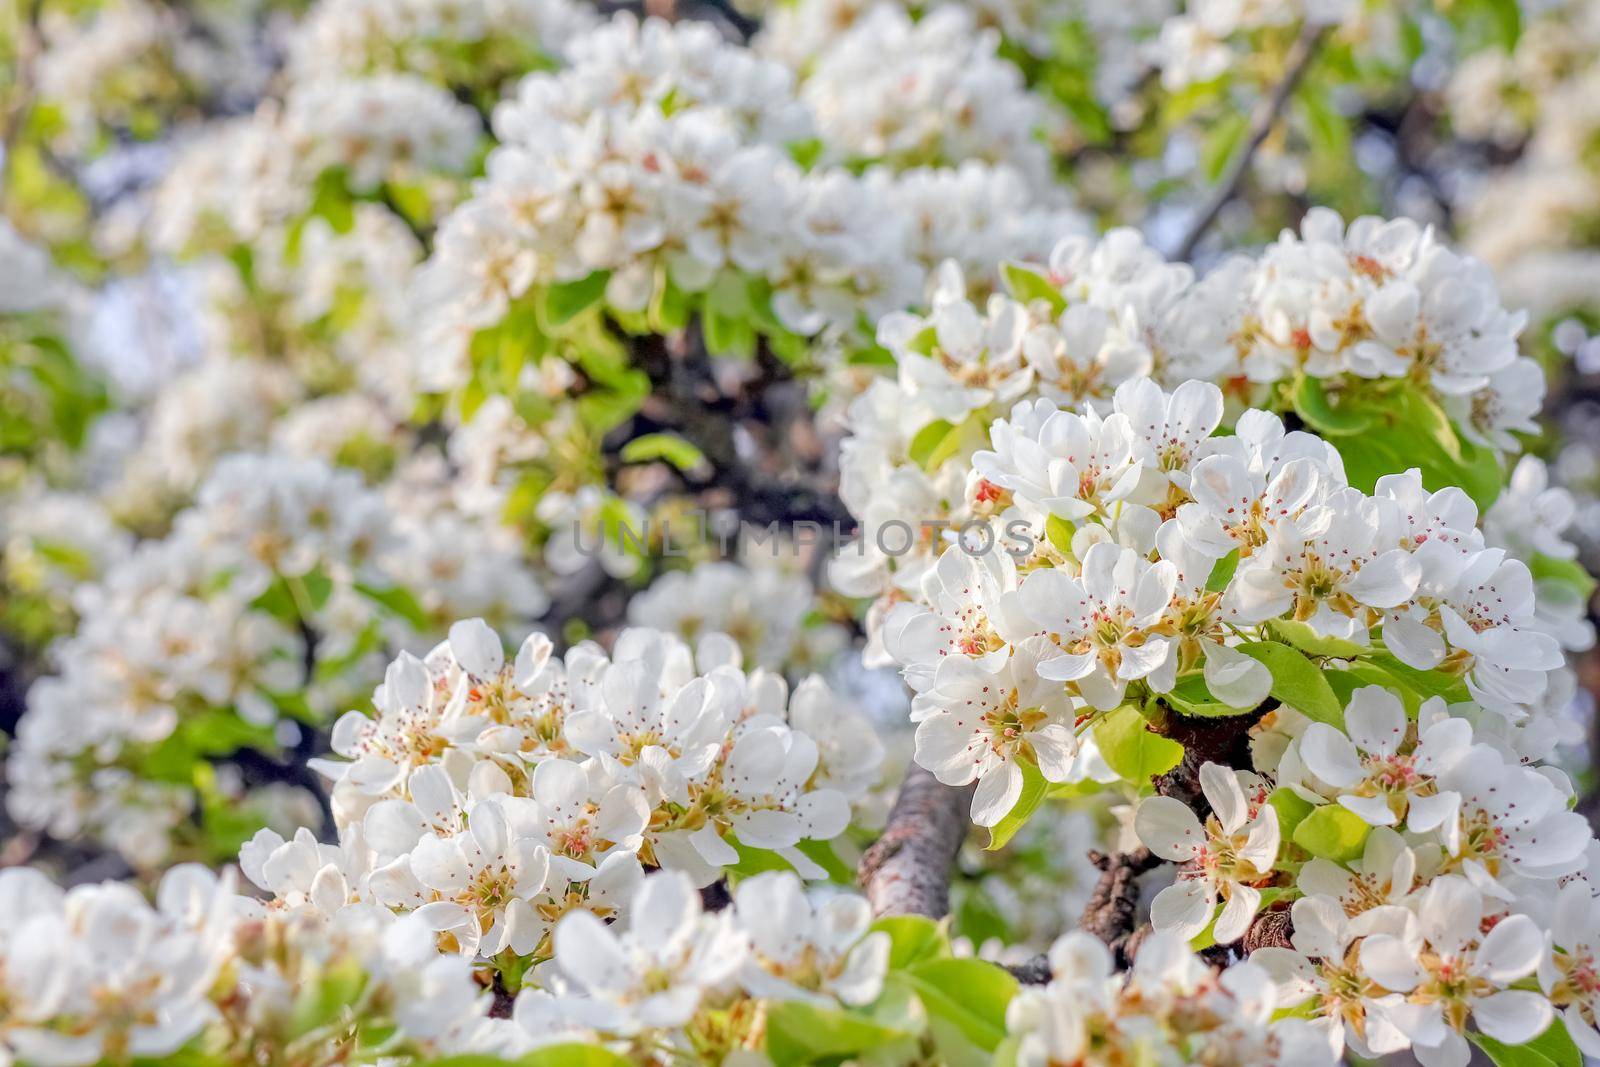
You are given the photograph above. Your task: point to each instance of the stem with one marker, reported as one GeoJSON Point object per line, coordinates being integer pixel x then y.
{"type": "Point", "coordinates": [907, 870]}
{"type": "Point", "coordinates": [1114, 904]}
{"type": "Point", "coordinates": [1265, 117]}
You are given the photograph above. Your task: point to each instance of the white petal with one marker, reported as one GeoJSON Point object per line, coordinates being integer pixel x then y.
{"type": "Point", "coordinates": [1184, 908]}
{"type": "Point", "coordinates": [1169, 828]}
{"type": "Point", "coordinates": [1514, 1016]}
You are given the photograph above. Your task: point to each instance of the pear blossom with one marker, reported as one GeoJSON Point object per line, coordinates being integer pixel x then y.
{"type": "Point", "coordinates": [652, 974]}
{"type": "Point", "coordinates": [808, 949]}
{"type": "Point", "coordinates": [1385, 874]}
{"type": "Point", "coordinates": [475, 888]}
{"type": "Point", "coordinates": [1229, 856]}
{"type": "Point", "coordinates": [1452, 971]}
{"type": "Point", "coordinates": [1567, 970]}
{"type": "Point", "coordinates": [1104, 622]}
{"type": "Point", "coordinates": [1324, 965]}
{"type": "Point", "coordinates": [991, 717]}
{"type": "Point", "coordinates": [1375, 779]}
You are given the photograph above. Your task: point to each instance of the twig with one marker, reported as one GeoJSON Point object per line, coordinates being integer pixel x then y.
{"type": "Point", "coordinates": [1262, 120]}
{"type": "Point", "coordinates": [1114, 904]}
{"type": "Point", "coordinates": [907, 870]}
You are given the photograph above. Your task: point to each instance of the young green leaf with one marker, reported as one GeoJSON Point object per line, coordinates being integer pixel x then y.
{"type": "Point", "coordinates": [1297, 682]}
{"type": "Point", "coordinates": [1131, 749]}
{"type": "Point", "coordinates": [1034, 790]}
{"type": "Point", "coordinates": [1332, 833]}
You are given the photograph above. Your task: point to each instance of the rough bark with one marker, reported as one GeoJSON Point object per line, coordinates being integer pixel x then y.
{"type": "Point", "coordinates": [907, 870]}
{"type": "Point", "coordinates": [1114, 904]}
{"type": "Point", "coordinates": [1271, 929]}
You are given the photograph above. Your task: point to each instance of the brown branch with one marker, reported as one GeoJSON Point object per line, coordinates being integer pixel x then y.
{"type": "Point", "coordinates": [907, 870]}
{"type": "Point", "coordinates": [1114, 904]}
{"type": "Point", "coordinates": [1271, 929]}
{"type": "Point", "coordinates": [1264, 118]}
{"type": "Point", "coordinates": [1224, 740]}
{"type": "Point", "coordinates": [1110, 914]}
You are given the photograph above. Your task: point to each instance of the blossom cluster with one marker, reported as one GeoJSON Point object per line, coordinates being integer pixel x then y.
{"type": "Point", "coordinates": [657, 753]}
{"type": "Point", "coordinates": [211, 620]}
{"type": "Point", "coordinates": [1133, 564]}
{"type": "Point", "coordinates": [1169, 1007]}
{"type": "Point", "coordinates": [1355, 312]}
{"type": "Point", "coordinates": [754, 603]}
{"type": "Point", "coordinates": [683, 182]}
{"type": "Point", "coordinates": [96, 974]}
{"type": "Point", "coordinates": [926, 92]}
{"type": "Point", "coordinates": [450, 42]}
{"type": "Point", "coordinates": [1129, 516]}
{"type": "Point", "coordinates": [1531, 220]}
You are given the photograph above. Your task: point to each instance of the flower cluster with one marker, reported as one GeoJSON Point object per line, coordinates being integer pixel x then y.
{"type": "Point", "coordinates": [1170, 1007]}
{"type": "Point", "coordinates": [96, 974]}
{"type": "Point", "coordinates": [1205, 42]}
{"type": "Point", "coordinates": [648, 188]}
{"type": "Point", "coordinates": [657, 755]}
{"type": "Point", "coordinates": [594, 174]}
{"type": "Point", "coordinates": [480, 43]}
{"type": "Point", "coordinates": [801, 32]}
{"type": "Point", "coordinates": [198, 642]}
{"type": "Point", "coordinates": [1331, 324]}
{"type": "Point", "coordinates": [1533, 220]}
{"type": "Point", "coordinates": [1136, 551]}
{"type": "Point", "coordinates": [755, 604]}
{"type": "Point", "coordinates": [927, 92]}
{"type": "Point", "coordinates": [126, 68]}
{"type": "Point", "coordinates": [657, 980]}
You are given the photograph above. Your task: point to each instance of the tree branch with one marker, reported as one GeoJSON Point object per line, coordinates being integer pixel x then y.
{"type": "Point", "coordinates": [1265, 117]}
{"type": "Point", "coordinates": [907, 870]}
{"type": "Point", "coordinates": [1114, 904]}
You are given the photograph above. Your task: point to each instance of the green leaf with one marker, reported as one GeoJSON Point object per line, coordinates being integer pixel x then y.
{"type": "Point", "coordinates": [565, 302]}
{"type": "Point", "coordinates": [331, 202]}
{"type": "Point", "coordinates": [669, 307]}
{"type": "Point", "coordinates": [1312, 404]}
{"type": "Point", "coordinates": [728, 336]}
{"type": "Point", "coordinates": [971, 434]}
{"type": "Point", "coordinates": [823, 855]}
{"type": "Point", "coordinates": [1333, 833]}
{"type": "Point", "coordinates": [1408, 430]}
{"type": "Point", "coordinates": [1326, 129]}
{"type": "Point", "coordinates": [1307, 640]}
{"type": "Point", "coordinates": [1034, 790]}
{"type": "Point", "coordinates": [1221, 143]}
{"type": "Point", "coordinates": [1297, 682]}
{"type": "Point", "coordinates": [399, 601]}
{"type": "Point", "coordinates": [1565, 571]}
{"type": "Point", "coordinates": [1506, 17]}
{"type": "Point", "coordinates": [1191, 696]}
{"type": "Point", "coordinates": [913, 939]}
{"type": "Point", "coordinates": [1292, 809]}
{"type": "Point", "coordinates": [1027, 285]}
{"type": "Point", "coordinates": [1553, 1048]}
{"type": "Point", "coordinates": [663, 446]}
{"type": "Point", "coordinates": [1059, 533]}
{"type": "Point", "coordinates": [1359, 675]}
{"type": "Point", "coordinates": [1006, 1054]}
{"type": "Point", "coordinates": [1222, 572]}
{"type": "Point", "coordinates": [1426, 684]}
{"type": "Point", "coordinates": [1131, 749]}
{"type": "Point", "coordinates": [970, 993]}
{"type": "Point", "coordinates": [800, 1033]}
{"type": "Point", "coordinates": [926, 440]}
